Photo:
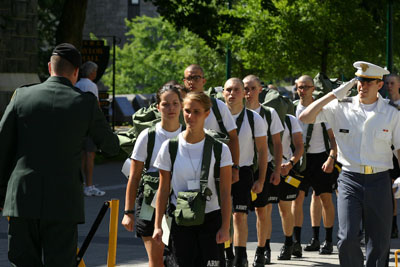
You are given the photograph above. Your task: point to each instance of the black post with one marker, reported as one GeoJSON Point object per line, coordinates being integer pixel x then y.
{"type": "Point", "coordinates": [389, 36]}
{"type": "Point", "coordinates": [113, 80]}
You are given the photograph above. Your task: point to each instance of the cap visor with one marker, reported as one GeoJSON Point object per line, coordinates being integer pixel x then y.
{"type": "Point", "coordinates": [362, 79]}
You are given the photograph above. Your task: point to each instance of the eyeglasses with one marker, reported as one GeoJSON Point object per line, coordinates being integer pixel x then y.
{"type": "Point", "coordinates": [305, 87]}
{"type": "Point", "coordinates": [193, 78]}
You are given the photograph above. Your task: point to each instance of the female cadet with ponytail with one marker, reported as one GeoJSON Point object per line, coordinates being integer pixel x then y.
{"type": "Point", "coordinates": [169, 103]}
{"type": "Point", "coordinates": [194, 173]}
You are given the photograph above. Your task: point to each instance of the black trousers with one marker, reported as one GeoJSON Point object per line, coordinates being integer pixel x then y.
{"type": "Point", "coordinates": [34, 242]}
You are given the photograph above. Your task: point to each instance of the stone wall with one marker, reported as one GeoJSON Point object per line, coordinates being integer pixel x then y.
{"type": "Point", "coordinates": [107, 18]}
{"type": "Point", "coordinates": [18, 36]}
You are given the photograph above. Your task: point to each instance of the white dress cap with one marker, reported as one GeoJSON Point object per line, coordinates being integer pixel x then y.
{"type": "Point", "coordinates": [368, 70]}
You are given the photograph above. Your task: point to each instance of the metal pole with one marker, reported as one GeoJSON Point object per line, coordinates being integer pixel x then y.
{"type": "Point", "coordinates": [228, 59]}
{"type": "Point", "coordinates": [113, 232]}
{"type": "Point", "coordinates": [389, 36]}
{"type": "Point", "coordinates": [113, 82]}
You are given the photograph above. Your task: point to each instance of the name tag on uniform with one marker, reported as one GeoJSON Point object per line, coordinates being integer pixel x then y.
{"type": "Point", "coordinates": [344, 131]}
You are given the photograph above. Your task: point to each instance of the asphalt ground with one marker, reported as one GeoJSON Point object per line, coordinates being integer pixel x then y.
{"type": "Point", "coordinates": [131, 252]}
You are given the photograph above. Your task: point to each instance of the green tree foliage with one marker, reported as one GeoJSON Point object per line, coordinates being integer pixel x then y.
{"type": "Point", "coordinates": [207, 18]}
{"type": "Point", "coordinates": [287, 38]}
{"type": "Point", "coordinates": [156, 53]}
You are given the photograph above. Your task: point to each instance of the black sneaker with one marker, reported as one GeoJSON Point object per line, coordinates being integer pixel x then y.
{"type": "Point", "coordinates": [297, 250]}
{"type": "Point", "coordinates": [286, 253]}
{"type": "Point", "coordinates": [259, 260]}
{"type": "Point", "coordinates": [241, 263]}
{"type": "Point", "coordinates": [313, 245]}
{"type": "Point", "coordinates": [327, 248]}
{"type": "Point", "coordinates": [267, 256]}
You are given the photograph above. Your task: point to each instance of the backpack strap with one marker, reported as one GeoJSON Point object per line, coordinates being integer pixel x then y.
{"type": "Point", "coordinates": [217, 148]}
{"type": "Point", "coordinates": [310, 129]}
{"type": "Point", "coordinates": [218, 116]}
{"type": "Point", "coordinates": [173, 150]}
{"type": "Point", "coordinates": [289, 125]}
{"type": "Point", "coordinates": [265, 112]}
{"type": "Point", "coordinates": [326, 137]}
{"type": "Point", "coordinates": [151, 139]}
{"type": "Point", "coordinates": [239, 121]}
{"type": "Point", "coordinates": [250, 117]}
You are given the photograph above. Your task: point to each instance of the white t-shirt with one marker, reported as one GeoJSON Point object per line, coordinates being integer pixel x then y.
{"type": "Point", "coordinates": [317, 143]}
{"type": "Point", "coordinates": [246, 142]}
{"type": "Point", "coordinates": [286, 141]}
{"type": "Point", "coordinates": [86, 85]}
{"type": "Point", "coordinates": [212, 123]}
{"type": "Point", "coordinates": [275, 127]}
{"type": "Point", "coordinates": [187, 168]}
{"type": "Point", "coordinates": [140, 150]}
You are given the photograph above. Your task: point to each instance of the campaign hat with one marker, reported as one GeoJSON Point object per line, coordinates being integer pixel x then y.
{"type": "Point", "coordinates": [367, 71]}
{"type": "Point", "coordinates": [68, 52]}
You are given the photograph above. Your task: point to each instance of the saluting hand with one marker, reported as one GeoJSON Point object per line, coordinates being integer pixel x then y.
{"type": "Point", "coordinates": [128, 221]}
{"type": "Point", "coordinates": [341, 91]}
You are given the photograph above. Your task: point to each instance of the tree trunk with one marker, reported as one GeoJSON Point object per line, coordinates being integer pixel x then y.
{"type": "Point", "coordinates": [324, 56]}
{"type": "Point", "coordinates": [71, 24]}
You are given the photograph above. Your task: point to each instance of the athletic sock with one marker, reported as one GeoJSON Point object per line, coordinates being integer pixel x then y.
{"type": "Point", "coordinates": [288, 240]}
{"type": "Point", "coordinates": [328, 234]}
{"type": "Point", "coordinates": [260, 250]}
{"type": "Point", "coordinates": [229, 252]}
{"type": "Point", "coordinates": [315, 232]}
{"type": "Point", "coordinates": [240, 253]}
{"type": "Point", "coordinates": [267, 245]}
{"type": "Point", "coordinates": [297, 234]}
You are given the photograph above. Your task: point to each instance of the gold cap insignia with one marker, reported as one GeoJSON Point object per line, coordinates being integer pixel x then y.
{"type": "Point", "coordinates": [364, 67]}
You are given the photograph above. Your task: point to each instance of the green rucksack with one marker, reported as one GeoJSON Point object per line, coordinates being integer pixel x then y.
{"type": "Point", "coordinates": [213, 92]}
{"type": "Point", "coordinates": [149, 116]}
{"type": "Point", "coordinates": [281, 104]}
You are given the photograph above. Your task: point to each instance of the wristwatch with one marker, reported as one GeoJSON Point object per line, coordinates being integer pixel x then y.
{"type": "Point", "coordinates": [129, 211]}
{"type": "Point", "coordinates": [291, 162]}
{"type": "Point", "coordinates": [234, 166]}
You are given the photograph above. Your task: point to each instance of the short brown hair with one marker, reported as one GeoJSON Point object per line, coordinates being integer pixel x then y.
{"type": "Point", "coordinates": [201, 97]}
{"type": "Point", "coordinates": [61, 66]}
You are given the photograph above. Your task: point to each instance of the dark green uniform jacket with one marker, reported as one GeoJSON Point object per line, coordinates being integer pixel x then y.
{"type": "Point", "coordinates": [41, 137]}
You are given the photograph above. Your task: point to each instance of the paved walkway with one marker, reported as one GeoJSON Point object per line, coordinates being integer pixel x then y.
{"type": "Point", "coordinates": [130, 250]}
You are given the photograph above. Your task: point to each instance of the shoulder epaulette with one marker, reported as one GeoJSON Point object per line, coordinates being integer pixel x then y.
{"type": "Point", "coordinates": [394, 105]}
{"type": "Point", "coordinates": [346, 100]}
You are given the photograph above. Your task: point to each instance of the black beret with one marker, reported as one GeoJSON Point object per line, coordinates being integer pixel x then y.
{"type": "Point", "coordinates": [69, 52]}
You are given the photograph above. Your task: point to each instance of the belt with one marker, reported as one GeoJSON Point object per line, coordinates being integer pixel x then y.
{"type": "Point", "coordinates": [364, 169]}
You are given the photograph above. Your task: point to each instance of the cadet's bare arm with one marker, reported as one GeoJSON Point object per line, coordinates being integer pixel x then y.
{"type": "Point", "coordinates": [310, 113]}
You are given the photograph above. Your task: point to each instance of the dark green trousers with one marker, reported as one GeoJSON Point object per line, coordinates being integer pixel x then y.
{"type": "Point", "coordinates": [34, 242]}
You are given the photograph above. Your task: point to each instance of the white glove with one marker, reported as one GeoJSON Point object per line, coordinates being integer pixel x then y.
{"type": "Point", "coordinates": [396, 185]}
{"type": "Point", "coordinates": [341, 91]}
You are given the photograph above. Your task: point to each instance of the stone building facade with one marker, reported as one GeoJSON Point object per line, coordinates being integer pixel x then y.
{"type": "Point", "coordinates": [18, 47]}
{"type": "Point", "coordinates": [107, 18]}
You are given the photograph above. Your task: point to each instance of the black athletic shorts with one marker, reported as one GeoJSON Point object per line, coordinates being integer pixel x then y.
{"type": "Point", "coordinates": [262, 198]}
{"type": "Point", "coordinates": [196, 245]}
{"type": "Point", "coordinates": [143, 228]}
{"type": "Point", "coordinates": [314, 176]}
{"type": "Point", "coordinates": [241, 195]}
{"type": "Point", "coordinates": [283, 191]}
